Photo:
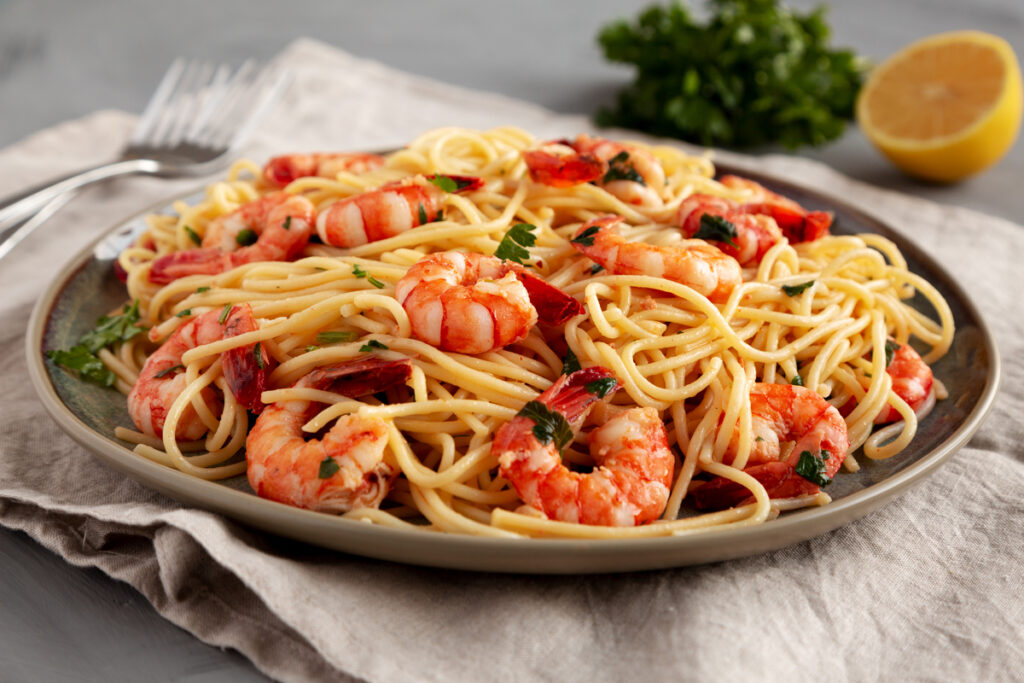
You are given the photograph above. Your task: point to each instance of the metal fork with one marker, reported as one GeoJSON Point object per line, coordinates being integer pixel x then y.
{"type": "Point", "coordinates": [198, 114]}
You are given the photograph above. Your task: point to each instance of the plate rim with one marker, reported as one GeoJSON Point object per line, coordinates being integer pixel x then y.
{"type": "Point", "coordinates": [510, 555]}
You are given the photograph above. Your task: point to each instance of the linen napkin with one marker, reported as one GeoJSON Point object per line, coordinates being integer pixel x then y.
{"type": "Point", "coordinates": [927, 588]}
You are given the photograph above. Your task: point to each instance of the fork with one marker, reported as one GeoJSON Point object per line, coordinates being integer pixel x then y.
{"type": "Point", "coordinates": [197, 115]}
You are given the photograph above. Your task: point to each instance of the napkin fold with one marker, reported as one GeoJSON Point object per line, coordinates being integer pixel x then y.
{"type": "Point", "coordinates": [927, 588]}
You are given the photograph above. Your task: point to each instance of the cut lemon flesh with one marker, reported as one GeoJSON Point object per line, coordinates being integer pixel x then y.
{"type": "Point", "coordinates": [945, 107]}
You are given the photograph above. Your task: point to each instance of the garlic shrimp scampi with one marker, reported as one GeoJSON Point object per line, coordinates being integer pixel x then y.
{"type": "Point", "coordinates": [486, 333]}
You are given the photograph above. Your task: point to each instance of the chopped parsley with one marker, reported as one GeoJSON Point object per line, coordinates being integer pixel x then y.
{"type": "Point", "coordinates": [797, 381]}
{"type": "Point", "coordinates": [167, 371]}
{"type": "Point", "coordinates": [423, 215]}
{"type": "Point", "coordinates": [812, 467]}
{"type": "Point", "coordinates": [182, 314]}
{"type": "Point", "coordinates": [257, 353]}
{"type": "Point", "coordinates": [328, 468]}
{"type": "Point", "coordinates": [716, 229]}
{"type": "Point", "coordinates": [450, 184]}
{"type": "Point", "coordinates": [373, 345]}
{"type": "Point", "coordinates": [891, 348]}
{"type": "Point", "coordinates": [570, 363]}
{"type": "Point", "coordinates": [225, 313]}
{"type": "Point", "coordinates": [514, 245]}
{"type": "Point", "coordinates": [193, 235]}
{"type": "Point", "coordinates": [586, 238]}
{"type": "Point", "coordinates": [601, 387]}
{"type": "Point", "coordinates": [335, 337]}
{"type": "Point", "coordinates": [202, 289]}
{"type": "Point", "coordinates": [246, 237]}
{"type": "Point", "coordinates": [109, 330]}
{"type": "Point", "coordinates": [619, 168]}
{"type": "Point", "coordinates": [287, 225]}
{"type": "Point", "coordinates": [793, 290]}
{"type": "Point", "coordinates": [596, 268]}
{"type": "Point", "coordinates": [548, 425]}
{"type": "Point", "coordinates": [311, 347]}
{"type": "Point", "coordinates": [360, 273]}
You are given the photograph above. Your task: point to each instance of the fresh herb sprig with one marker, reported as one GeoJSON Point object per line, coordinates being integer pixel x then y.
{"type": "Point", "coordinates": [82, 359]}
{"type": "Point", "coordinates": [514, 246]}
{"type": "Point", "coordinates": [756, 72]}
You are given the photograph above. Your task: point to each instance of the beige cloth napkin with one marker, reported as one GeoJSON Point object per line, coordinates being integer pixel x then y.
{"type": "Point", "coordinates": [927, 588]}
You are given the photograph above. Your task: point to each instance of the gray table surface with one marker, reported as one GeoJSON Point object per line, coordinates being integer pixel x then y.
{"type": "Point", "coordinates": [61, 60]}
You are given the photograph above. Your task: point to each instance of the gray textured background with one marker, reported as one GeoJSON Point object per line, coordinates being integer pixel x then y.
{"type": "Point", "coordinates": [60, 60]}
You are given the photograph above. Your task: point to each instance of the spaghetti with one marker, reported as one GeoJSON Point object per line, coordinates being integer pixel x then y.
{"type": "Point", "coordinates": [330, 341]}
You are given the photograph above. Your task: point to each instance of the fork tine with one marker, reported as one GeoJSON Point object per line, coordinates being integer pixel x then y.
{"type": "Point", "coordinates": [274, 83]}
{"type": "Point", "coordinates": [213, 96]}
{"type": "Point", "coordinates": [158, 100]}
{"type": "Point", "coordinates": [176, 107]}
{"type": "Point", "coordinates": [190, 94]}
{"type": "Point", "coordinates": [221, 121]}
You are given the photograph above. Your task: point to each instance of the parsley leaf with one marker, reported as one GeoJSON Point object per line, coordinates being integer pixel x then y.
{"type": "Point", "coordinates": [793, 290]}
{"type": "Point", "coordinates": [717, 229]}
{"type": "Point", "coordinates": [891, 348]}
{"type": "Point", "coordinates": [513, 246]}
{"type": "Point", "coordinates": [596, 268]}
{"type": "Point", "coordinates": [372, 345]}
{"type": "Point", "coordinates": [619, 168]}
{"type": "Point", "coordinates": [328, 468]}
{"type": "Point", "coordinates": [423, 214]}
{"type": "Point", "coordinates": [182, 314]}
{"type": "Point", "coordinates": [570, 363]}
{"type": "Point", "coordinates": [586, 238]}
{"type": "Point", "coordinates": [797, 381]}
{"type": "Point", "coordinates": [112, 329]}
{"type": "Point", "coordinates": [224, 314]}
{"type": "Point", "coordinates": [335, 337]}
{"type": "Point", "coordinates": [84, 363]}
{"type": "Point", "coordinates": [752, 73]}
{"type": "Point", "coordinates": [360, 273]}
{"type": "Point", "coordinates": [548, 425]}
{"type": "Point", "coordinates": [449, 184]}
{"type": "Point", "coordinates": [287, 225]}
{"type": "Point", "coordinates": [202, 289]}
{"type": "Point", "coordinates": [257, 353]}
{"type": "Point", "coordinates": [193, 235]}
{"type": "Point", "coordinates": [601, 387]}
{"type": "Point", "coordinates": [167, 371]}
{"type": "Point", "coordinates": [812, 467]}
{"type": "Point", "coordinates": [246, 237]}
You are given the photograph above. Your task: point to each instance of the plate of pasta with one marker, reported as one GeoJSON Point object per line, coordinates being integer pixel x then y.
{"type": "Point", "coordinates": [487, 351]}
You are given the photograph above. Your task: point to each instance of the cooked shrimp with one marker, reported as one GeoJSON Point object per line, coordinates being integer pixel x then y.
{"type": "Point", "coordinates": [275, 227]}
{"type": "Point", "coordinates": [630, 173]}
{"type": "Point", "coordinates": [159, 384]}
{"type": "Point", "coordinates": [745, 237]}
{"type": "Point", "coordinates": [781, 413]}
{"type": "Point", "coordinates": [343, 470]}
{"type": "Point", "coordinates": [630, 482]}
{"type": "Point", "coordinates": [797, 223]}
{"type": "Point", "coordinates": [912, 381]}
{"type": "Point", "coordinates": [282, 170]}
{"type": "Point", "coordinates": [470, 303]}
{"type": "Point", "coordinates": [700, 266]}
{"type": "Point", "coordinates": [386, 211]}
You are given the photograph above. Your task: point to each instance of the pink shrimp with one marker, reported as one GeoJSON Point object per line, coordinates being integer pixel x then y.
{"type": "Point", "coordinates": [746, 237]}
{"type": "Point", "coordinates": [388, 211]}
{"type": "Point", "coordinates": [630, 173]}
{"type": "Point", "coordinates": [912, 381]}
{"type": "Point", "coordinates": [700, 266]}
{"type": "Point", "coordinates": [159, 384]}
{"type": "Point", "coordinates": [633, 474]}
{"type": "Point", "coordinates": [282, 170]}
{"type": "Point", "coordinates": [783, 413]}
{"type": "Point", "coordinates": [344, 469]}
{"type": "Point", "coordinates": [279, 223]}
{"type": "Point", "coordinates": [797, 223]}
{"type": "Point", "coordinates": [470, 303]}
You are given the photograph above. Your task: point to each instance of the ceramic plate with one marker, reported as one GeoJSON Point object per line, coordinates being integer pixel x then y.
{"type": "Point", "coordinates": [88, 288]}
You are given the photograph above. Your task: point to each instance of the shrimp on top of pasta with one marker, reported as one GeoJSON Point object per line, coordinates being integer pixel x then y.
{"type": "Point", "coordinates": [485, 333]}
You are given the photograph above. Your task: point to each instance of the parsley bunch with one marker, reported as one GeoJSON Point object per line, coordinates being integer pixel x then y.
{"type": "Point", "coordinates": [755, 73]}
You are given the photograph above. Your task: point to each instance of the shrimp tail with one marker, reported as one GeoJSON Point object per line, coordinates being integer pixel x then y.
{"type": "Point", "coordinates": [563, 171]}
{"type": "Point", "coordinates": [362, 378]}
{"type": "Point", "coordinates": [170, 267]}
{"type": "Point", "coordinates": [554, 306]}
{"type": "Point", "coordinates": [246, 368]}
{"type": "Point", "coordinates": [573, 395]}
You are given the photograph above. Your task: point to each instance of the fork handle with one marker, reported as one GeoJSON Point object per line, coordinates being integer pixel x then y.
{"type": "Point", "coordinates": [22, 205]}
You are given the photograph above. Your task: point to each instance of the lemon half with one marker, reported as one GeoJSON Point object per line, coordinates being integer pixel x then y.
{"type": "Point", "coordinates": [944, 107]}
